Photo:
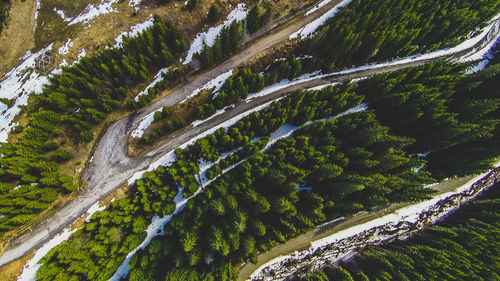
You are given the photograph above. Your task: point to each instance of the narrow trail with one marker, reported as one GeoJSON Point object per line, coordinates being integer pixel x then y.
{"type": "Point", "coordinates": [111, 167]}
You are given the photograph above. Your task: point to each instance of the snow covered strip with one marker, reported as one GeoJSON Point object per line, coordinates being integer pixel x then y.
{"type": "Point", "coordinates": [216, 83]}
{"type": "Point", "coordinates": [409, 215]}
{"type": "Point", "coordinates": [158, 78]}
{"type": "Point", "coordinates": [62, 14]}
{"type": "Point", "coordinates": [208, 37]}
{"type": "Point", "coordinates": [311, 27]}
{"type": "Point", "coordinates": [317, 7]}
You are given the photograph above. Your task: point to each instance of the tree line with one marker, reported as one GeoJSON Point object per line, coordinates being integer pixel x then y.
{"type": "Point", "coordinates": [364, 31]}
{"type": "Point", "coordinates": [454, 117]}
{"type": "Point", "coordinates": [464, 246]}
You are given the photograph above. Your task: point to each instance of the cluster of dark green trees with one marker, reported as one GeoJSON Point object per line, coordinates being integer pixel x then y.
{"type": "Point", "coordinates": [256, 205]}
{"type": "Point", "coordinates": [453, 116]}
{"type": "Point", "coordinates": [465, 246]}
{"type": "Point", "coordinates": [256, 19]}
{"type": "Point", "coordinates": [75, 101]}
{"type": "Point", "coordinates": [367, 30]}
{"type": "Point", "coordinates": [30, 163]}
{"type": "Point", "coordinates": [168, 124]}
{"type": "Point", "coordinates": [84, 94]}
{"type": "Point", "coordinates": [227, 43]}
{"type": "Point", "coordinates": [245, 81]}
{"type": "Point", "coordinates": [168, 78]}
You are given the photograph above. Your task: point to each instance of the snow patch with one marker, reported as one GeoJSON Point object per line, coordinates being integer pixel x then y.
{"type": "Point", "coordinates": [32, 266]}
{"type": "Point", "coordinates": [133, 3]}
{"type": "Point", "coordinates": [216, 83]}
{"type": "Point", "coordinates": [158, 78]}
{"type": "Point", "coordinates": [284, 84]}
{"type": "Point", "coordinates": [321, 4]}
{"type": "Point", "coordinates": [92, 210]}
{"type": "Point", "coordinates": [144, 124]}
{"type": "Point", "coordinates": [483, 56]}
{"type": "Point", "coordinates": [166, 160]}
{"type": "Point", "coordinates": [93, 12]}
{"type": "Point", "coordinates": [19, 83]}
{"type": "Point", "coordinates": [135, 30]}
{"type": "Point", "coordinates": [64, 49]}
{"type": "Point", "coordinates": [62, 15]}
{"type": "Point", "coordinates": [310, 28]}
{"type": "Point", "coordinates": [208, 37]}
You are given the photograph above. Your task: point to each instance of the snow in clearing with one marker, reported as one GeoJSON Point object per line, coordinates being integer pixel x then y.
{"type": "Point", "coordinates": [144, 124]}
{"type": "Point", "coordinates": [216, 83]}
{"type": "Point", "coordinates": [62, 15]}
{"type": "Point", "coordinates": [284, 131]}
{"type": "Point", "coordinates": [158, 78]}
{"type": "Point", "coordinates": [93, 12]}
{"type": "Point", "coordinates": [208, 37]}
{"type": "Point", "coordinates": [135, 30]}
{"type": "Point", "coordinates": [92, 210]}
{"type": "Point", "coordinates": [409, 215]}
{"type": "Point", "coordinates": [64, 49]}
{"type": "Point", "coordinates": [32, 266]}
{"type": "Point", "coordinates": [321, 4]}
{"type": "Point", "coordinates": [38, 5]}
{"type": "Point", "coordinates": [310, 28]}
{"type": "Point", "coordinates": [19, 83]}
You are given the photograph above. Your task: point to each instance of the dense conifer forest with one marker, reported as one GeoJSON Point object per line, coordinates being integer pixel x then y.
{"type": "Point", "coordinates": [368, 31]}
{"type": "Point", "coordinates": [327, 169]}
{"type": "Point", "coordinates": [246, 193]}
{"type": "Point", "coordinates": [464, 246]}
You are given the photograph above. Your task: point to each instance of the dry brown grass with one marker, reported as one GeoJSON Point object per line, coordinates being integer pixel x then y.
{"type": "Point", "coordinates": [11, 271]}
{"type": "Point", "coordinates": [18, 35]}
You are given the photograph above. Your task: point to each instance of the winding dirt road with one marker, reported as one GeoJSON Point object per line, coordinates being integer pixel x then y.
{"type": "Point", "coordinates": [111, 167]}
